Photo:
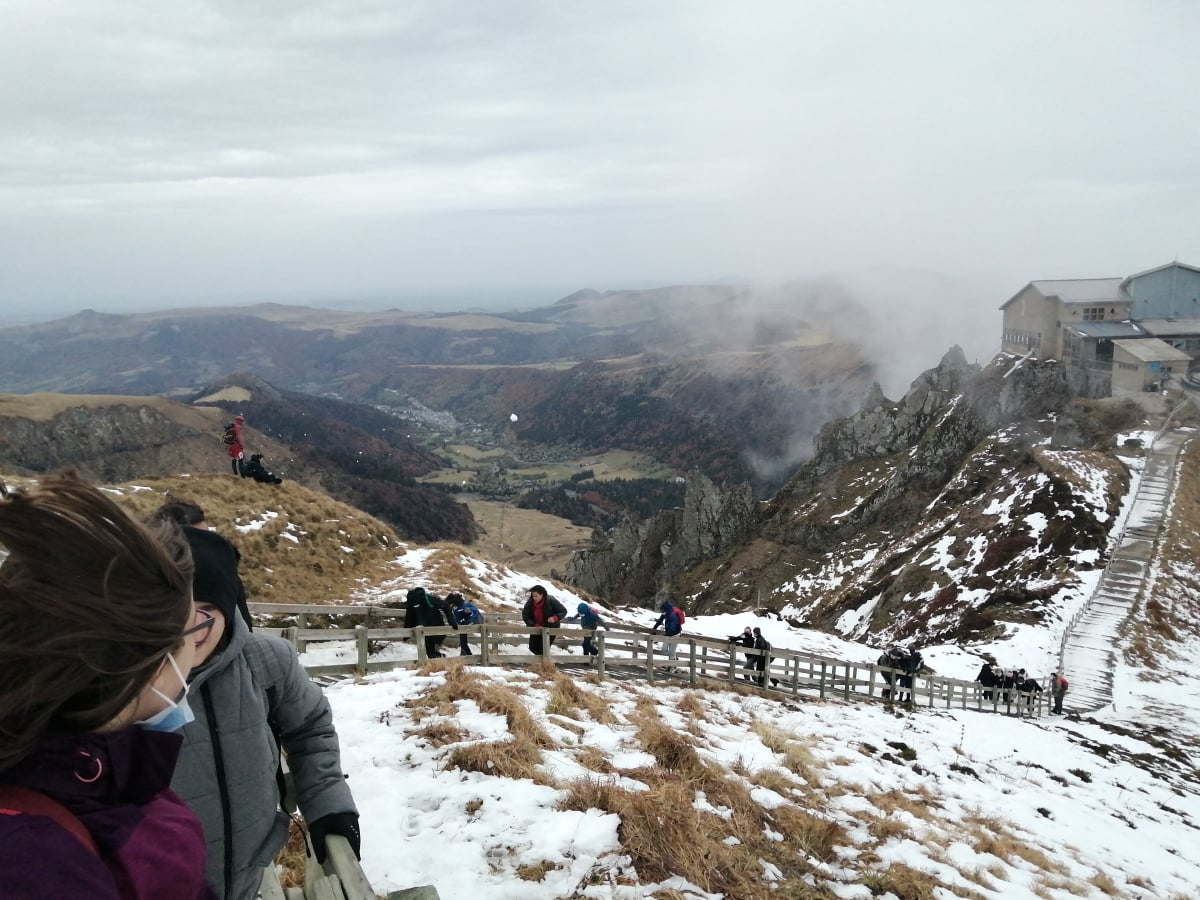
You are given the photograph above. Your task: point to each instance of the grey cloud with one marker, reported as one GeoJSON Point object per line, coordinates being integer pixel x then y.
{"type": "Point", "coordinates": [370, 147]}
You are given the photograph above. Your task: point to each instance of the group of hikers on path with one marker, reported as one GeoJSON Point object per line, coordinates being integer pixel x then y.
{"type": "Point", "coordinates": [235, 444]}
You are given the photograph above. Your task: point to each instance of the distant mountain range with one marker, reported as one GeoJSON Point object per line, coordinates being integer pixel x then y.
{"type": "Point", "coordinates": [728, 380]}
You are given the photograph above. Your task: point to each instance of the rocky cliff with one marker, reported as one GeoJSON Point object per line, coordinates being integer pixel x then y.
{"type": "Point", "coordinates": [636, 562]}
{"type": "Point", "coordinates": [969, 506]}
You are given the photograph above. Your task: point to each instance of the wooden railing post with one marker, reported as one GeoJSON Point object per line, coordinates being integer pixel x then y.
{"type": "Point", "coordinates": [362, 639]}
{"type": "Point", "coordinates": [599, 643]}
{"type": "Point", "coordinates": [484, 652]}
{"type": "Point", "coordinates": [418, 636]}
{"type": "Point", "coordinates": [691, 660]}
{"type": "Point", "coordinates": [289, 635]}
{"type": "Point", "coordinates": [301, 622]}
{"type": "Point", "coordinates": [822, 688]}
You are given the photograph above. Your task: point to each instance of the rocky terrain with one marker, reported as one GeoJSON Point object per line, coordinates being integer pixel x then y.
{"type": "Point", "coordinates": [971, 503]}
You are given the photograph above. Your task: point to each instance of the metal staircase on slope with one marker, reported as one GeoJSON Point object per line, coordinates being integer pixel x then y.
{"type": "Point", "coordinates": [1089, 645]}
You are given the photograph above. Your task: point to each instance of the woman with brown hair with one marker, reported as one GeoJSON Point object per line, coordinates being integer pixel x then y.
{"type": "Point", "coordinates": [97, 636]}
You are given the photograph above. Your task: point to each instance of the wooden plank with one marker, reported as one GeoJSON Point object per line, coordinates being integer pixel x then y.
{"type": "Point", "coordinates": [270, 888]}
{"type": "Point", "coordinates": [341, 862]}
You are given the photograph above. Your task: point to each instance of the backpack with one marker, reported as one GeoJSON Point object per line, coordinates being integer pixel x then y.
{"type": "Point", "coordinates": [15, 799]}
{"type": "Point", "coordinates": [229, 435]}
{"type": "Point", "coordinates": [682, 617]}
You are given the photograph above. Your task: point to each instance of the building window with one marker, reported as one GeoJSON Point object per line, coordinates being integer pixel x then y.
{"type": "Point", "coordinates": [1093, 313]}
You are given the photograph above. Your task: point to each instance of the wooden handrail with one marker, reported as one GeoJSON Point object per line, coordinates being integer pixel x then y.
{"type": "Point", "coordinates": [701, 657]}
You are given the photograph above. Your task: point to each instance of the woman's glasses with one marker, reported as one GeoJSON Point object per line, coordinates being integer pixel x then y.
{"type": "Point", "coordinates": [204, 624]}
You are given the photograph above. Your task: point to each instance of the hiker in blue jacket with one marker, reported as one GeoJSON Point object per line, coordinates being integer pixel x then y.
{"type": "Point", "coordinates": [465, 613]}
{"type": "Point", "coordinates": [672, 625]}
{"type": "Point", "coordinates": [589, 619]}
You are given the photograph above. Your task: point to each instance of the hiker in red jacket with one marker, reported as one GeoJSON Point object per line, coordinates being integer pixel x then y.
{"type": "Point", "coordinates": [1058, 689]}
{"type": "Point", "coordinates": [237, 450]}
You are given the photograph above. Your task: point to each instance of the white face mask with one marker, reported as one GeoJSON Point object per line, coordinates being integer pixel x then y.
{"type": "Point", "coordinates": [177, 712]}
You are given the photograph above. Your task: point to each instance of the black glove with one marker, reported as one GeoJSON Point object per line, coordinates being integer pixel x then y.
{"type": "Point", "coordinates": [345, 824]}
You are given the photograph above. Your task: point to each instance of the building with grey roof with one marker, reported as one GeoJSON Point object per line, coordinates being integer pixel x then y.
{"type": "Point", "coordinates": [1082, 321]}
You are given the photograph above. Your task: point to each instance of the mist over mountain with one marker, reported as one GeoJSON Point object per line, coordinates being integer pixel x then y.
{"type": "Point", "coordinates": [731, 379]}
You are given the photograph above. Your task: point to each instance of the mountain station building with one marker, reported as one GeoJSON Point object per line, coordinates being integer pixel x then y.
{"type": "Point", "coordinates": [1117, 336]}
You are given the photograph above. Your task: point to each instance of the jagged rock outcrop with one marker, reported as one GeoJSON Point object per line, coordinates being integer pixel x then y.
{"type": "Point", "coordinates": [637, 562]}
{"type": "Point", "coordinates": [951, 513]}
{"type": "Point", "coordinates": [924, 439]}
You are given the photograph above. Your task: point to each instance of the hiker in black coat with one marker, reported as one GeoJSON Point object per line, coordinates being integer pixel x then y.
{"type": "Point", "coordinates": [762, 662]}
{"type": "Point", "coordinates": [541, 611]}
{"type": "Point", "coordinates": [256, 470]}
{"type": "Point", "coordinates": [745, 639]}
{"type": "Point", "coordinates": [426, 610]}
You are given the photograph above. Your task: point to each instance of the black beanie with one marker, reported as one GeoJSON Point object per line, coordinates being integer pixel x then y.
{"type": "Point", "coordinates": [216, 578]}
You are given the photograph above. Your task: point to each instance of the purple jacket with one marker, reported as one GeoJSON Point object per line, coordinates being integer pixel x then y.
{"type": "Point", "coordinates": [150, 844]}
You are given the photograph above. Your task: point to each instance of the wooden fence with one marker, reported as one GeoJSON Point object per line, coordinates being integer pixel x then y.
{"type": "Point", "coordinates": [499, 641]}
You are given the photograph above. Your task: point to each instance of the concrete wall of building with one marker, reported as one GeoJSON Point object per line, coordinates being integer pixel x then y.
{"type": "Point", "coordinates": [1031, 322]}
{"type": "Point", "coordinates": [1131, 375]}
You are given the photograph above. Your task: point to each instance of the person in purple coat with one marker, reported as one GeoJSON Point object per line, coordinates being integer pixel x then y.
{"type": "Point", "coordinates": [97, 636]}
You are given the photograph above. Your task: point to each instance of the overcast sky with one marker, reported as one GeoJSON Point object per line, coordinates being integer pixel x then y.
{"type": "Point", "coordinates": [153, 153]}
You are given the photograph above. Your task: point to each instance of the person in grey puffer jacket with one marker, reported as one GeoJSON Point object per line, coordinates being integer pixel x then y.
{"type": "Point", "coordinates": [245, 689]}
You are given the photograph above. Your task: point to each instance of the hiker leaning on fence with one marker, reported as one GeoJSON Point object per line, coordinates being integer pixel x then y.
{"type": "Point", "coordinates": [589, 620]}
{"type": "Point", "coordinates": [252, 699]}
{"type": "Point", "coordinates": [96, 641]}
{"type": "Point", "coordinates": [465, 613]}
{"type": "Point", "coordinates": [745, 639]}
{"type": "Point", "coordinates": [671, 622]}
{"type": "Point", "coordinates": [762, 662]}
{"type": "Point", "coordinates": [541, 611]}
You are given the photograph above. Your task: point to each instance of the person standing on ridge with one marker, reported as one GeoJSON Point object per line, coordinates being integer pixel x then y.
{"type": "Point", "coordinates": [541, 611]}
{"type": "Point", "coordinates": [237, 449]}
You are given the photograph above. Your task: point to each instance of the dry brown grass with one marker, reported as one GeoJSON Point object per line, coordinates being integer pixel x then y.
{"type": "Point", "coordinates": [671, 749]}
{"type": "Point", "coordinates": [992, 836]}
{"type": "Point", "coordinates": [690, 704]}
{"type": "Point", "coordinates": [797, 753]}
{"type": "Point", "coordinates": [516, 759]}
{"type": "Point", "coordinates": [567, 698]}
{"type": "Point", "coordinates": [918, 803]}
{"type": "Point", "coordinates": [594, 759]}
{"type": "Point", "coordinates": [537, 871]}
{"type": "Point", "coordinates": [291, 858]}
{"type": "Point", "coordinates": [1104, 884]}
{"type": "Point", "coordinates": [312, 569]}
{"type": "Point", "coordinates": [489, 696]}
{"type": "Point", "coordinates": [907, 883]}
{"type": "Point", "coordinates": [441, 733]}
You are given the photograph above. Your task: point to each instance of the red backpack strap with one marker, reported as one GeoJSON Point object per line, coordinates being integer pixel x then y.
{"type": "Point", "coordinates": [16, 800]}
